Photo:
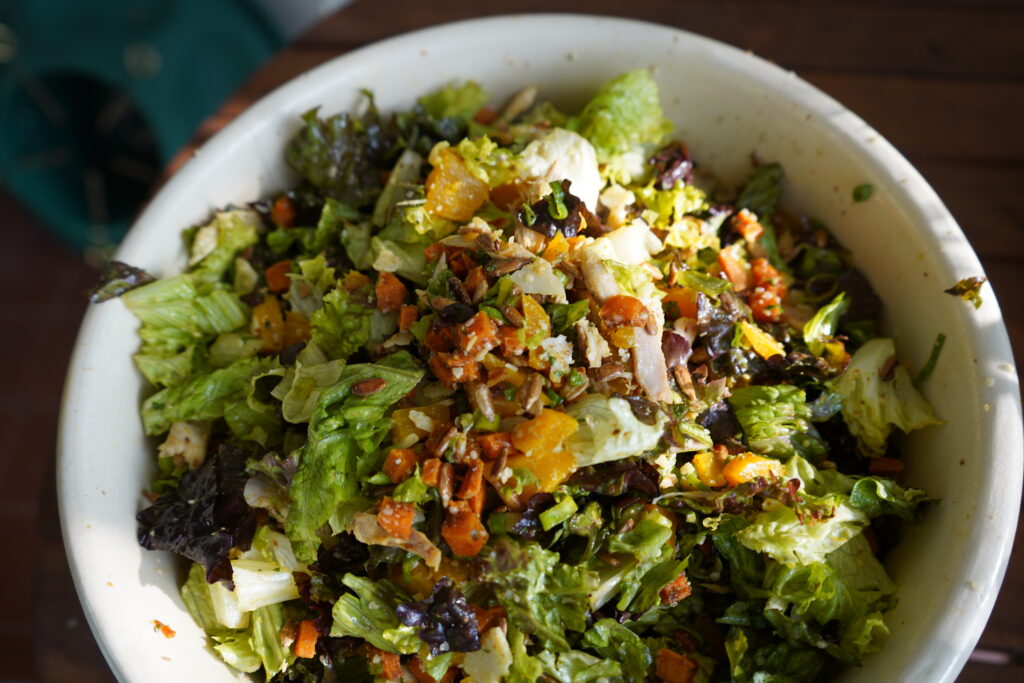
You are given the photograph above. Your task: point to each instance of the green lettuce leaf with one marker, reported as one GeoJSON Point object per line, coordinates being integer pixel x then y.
{"type": "Point", "coordinates": [876, 496]}
{"type": "Point", "coordinates": [576, 666]}
{"type": "Point", "coordinates": [525, 669]}
{"type": "Point", "coordinates": [779, 531]}
{"type": "Point", "coordinates": [303, 382]}
{"type": "Point", "coordinates": [625, 113]}
{"type": "Point", "coordinates": [460, 102]}
{"type": "Point", "coordinates": [611, 640]}
{"type": "Point", "coordinates": [369, 613]}
{"type": "Point", "coordinates": [542, 596]}
{"type": "Point", "coordinates": [208, 396]}
{"type": "Point", "coordinates": [178, 316]}
{"type": "Point", "coordinates": [776, 421]}
{"type": "Point", "coordinates": [822, 327]}
{"type": "Point", "coordinates": [342, 326]}
{"type": "Point", "coordinates": [343, 429]}
{"type": "Point", "coordinates": [872, 406]}
{"type": "Point", "coordinates": [215, 245]}
{"type": "Point", "coordinates": [608, 430]}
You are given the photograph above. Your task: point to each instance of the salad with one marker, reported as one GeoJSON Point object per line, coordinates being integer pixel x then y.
{"type": "Point", "coordinates": [518, 394]}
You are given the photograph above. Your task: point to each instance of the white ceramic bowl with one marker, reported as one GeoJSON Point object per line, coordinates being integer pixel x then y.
{"type": "Point", "coordinates": [726, 104]}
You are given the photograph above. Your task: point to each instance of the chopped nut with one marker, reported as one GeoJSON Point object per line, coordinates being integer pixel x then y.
{"type": "Point", "coordinates": [369, 387]}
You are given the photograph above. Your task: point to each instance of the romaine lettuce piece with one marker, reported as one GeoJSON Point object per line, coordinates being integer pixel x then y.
{"type": "Point", "coordinates": [541, 595]}
{"type": "Point", "coordinates": [342, 326]}
{"type": "Point", "coordinates": [455, 101]}
{"type": "Point", "coordinates": [624, 114]}
{"type": "Point", "coordinates": [611, 640]}
{"type": "Point", "coordinates": [873, 405]}
{"type": "Point", "coordinates": [302, 383]}
{"type": "Point", "coordinates": [206, 397]}
{"type": "Point", "coordinates": [259, 583]}
{"type": "Point", "coordinates": [609, 431]}
{"type": "Point", "coordinates": [369, 613]}
{"type": "Point", "coordinates": [800, 539]}
{"type": "Point", "coordinates": [822, 327]}
{"type": "Point", "coordinates": [178, 314]}
{"type": "Point", "coordinates": [343, 429]}
{"type": "Point", "coordinates": [215, 245]}
{"type": "Point", "coordinates": [776, 421]}
{"type": "Point", "coordinates": [877, 496]}
{"type": "Point", "coordinates": [576, 666]}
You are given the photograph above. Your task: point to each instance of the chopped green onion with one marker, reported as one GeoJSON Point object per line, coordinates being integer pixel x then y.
{"type": "Point", "coordinates": [562, 511]}
{"type": "Point", "coordinates": [929, 366]}
{"type": "Point", "coordinates": [495, 314]}
{"type": "Point", "coordinates": [481, 423]}
{"type": "Point", "coordinates": [529, 216]}
{"type": "Point", "coordinates": [553, 396]}
{"type": "Point", "coordinates": [577, 378]}
{"type": "Point", "coordinates": [556, 201]}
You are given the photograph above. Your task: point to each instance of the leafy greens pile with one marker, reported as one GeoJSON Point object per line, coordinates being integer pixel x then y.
{"type": "Point", "coordinates": [518, 395]}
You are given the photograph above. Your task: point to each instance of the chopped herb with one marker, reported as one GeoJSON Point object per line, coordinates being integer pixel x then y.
{"type": "Point", "coordinates": [968, 289]}
{"type": "Point", "coordinates": [862, 193]}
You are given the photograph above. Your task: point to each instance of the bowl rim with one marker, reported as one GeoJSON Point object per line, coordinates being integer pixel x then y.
{"type": "Point", "coordinates": [908, 186]}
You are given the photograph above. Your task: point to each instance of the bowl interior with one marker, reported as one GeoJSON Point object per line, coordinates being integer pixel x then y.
{"type": "Point", "coordinates": [727, 104]}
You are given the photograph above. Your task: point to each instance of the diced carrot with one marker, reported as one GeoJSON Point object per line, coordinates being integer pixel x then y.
{"type": "Point", "coordinates": [454, 368]}
{"type": "Point", "coordinates": [407, 315]}
{"type": "Point", "coordinates": [282, 212]}
{"type": "Point", "coordinates": [462, 530]}
{"type": "Point", "coordinates": [885, 467]}
{"type": "Point", "coordinates": [355, 280]}
{"type": "Point", "coordinates": [277, 276]}
{"type": "Point", "coordinates": [765, 305]}
{"type": "Point", "coordinates": [399, 464]}
{"type": "Point", "coordinates": [476, 502]}
{"type": "Point", "coordinates": [396, 518]}
{"type": "Point", "coordinates": [452, 191]}
{"type": "Point", "coordinates": [434, 251]}
{"type": "Point", "coordinates": [472, 481]}
{"type": "Point", "coordinates": [734, 270]}
{"type": "Point", "coordinates": [268, 324]}
{"type": "Point", "coordinates": [495, 445]}
{"type": "Point", "coordinates": [390, 292]}
{"type": "Point", "coordinates": [623, 310]}
{"type": "Point", "coordinates": [474, 279]}
{"type": "Point", "coordinates": [511, 340]}
{"type": "Point", "coordinates": [478, 335]}
{"type": "Point", "coordinates": [440, 338]}
{"type": "Point", "coordinates": [556, 248]}
{"type": "Point", "coordinates": [305, 642]}
{"type": "Point", "coordinates": [685, 299]}
{"type": "Point", "coordinates": [672, 667]}
{"type": "Point", "coordinates": [164, 630]}
{"type": "Point", "coordinates": [748, 467]}
{"type": "Point", "coordinates": [488, 617]}
{"type": "Point", "coordinates": [747, 225]}
{"type": "Point", "coordinates": [485, 116]}
{"type": "Point", "coordinates": [390, 663]}
{"type": "Point", "coordinates": [296, 328]}
{"type": "Point", "coordinates": [765, 275]}
{"type": "Point", "coordinates": [675, 591]}
{"type": "Point", "coordinates": [461, 263]}
{"type": "Point", "coordinates": [431, 472]}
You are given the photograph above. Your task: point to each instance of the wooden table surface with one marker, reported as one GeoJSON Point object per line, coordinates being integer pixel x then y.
{"type": "Point", "coordinates": [943, 80]}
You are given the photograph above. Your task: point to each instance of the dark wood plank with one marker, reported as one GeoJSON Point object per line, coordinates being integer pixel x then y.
{"type": "Point", "coordinates": [948, 39]}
